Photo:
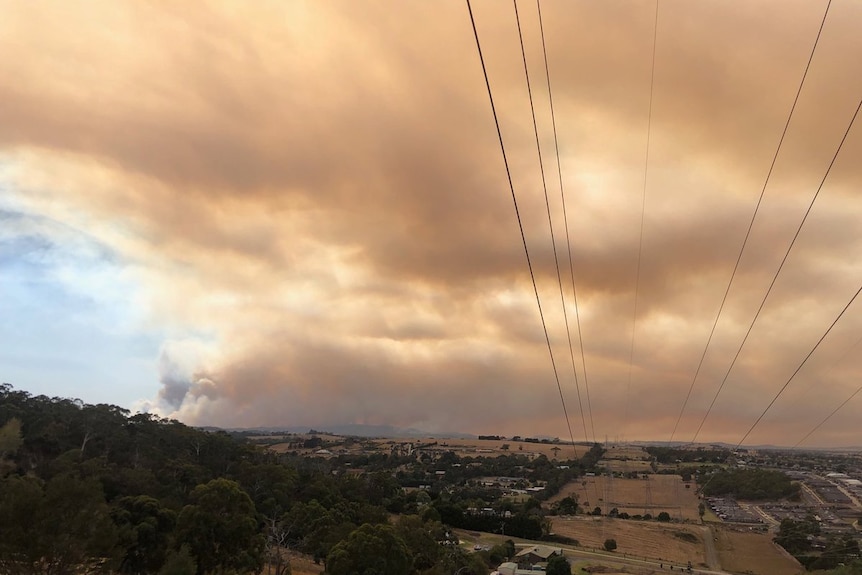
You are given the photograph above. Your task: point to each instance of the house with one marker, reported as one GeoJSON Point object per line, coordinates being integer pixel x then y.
{"type": "Point", "coordinates": [536, 554]}
{"type": "Point", "coordinates": [513, 569]}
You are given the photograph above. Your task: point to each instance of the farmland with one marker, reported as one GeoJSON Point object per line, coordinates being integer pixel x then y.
{"type": "Point", "coordinates": [748, 552]}
{"type": "Point", "coordinates": [652, 495]}
{"type": "Point", "coordinates": [676, 543]}
{"type": "Point", "coordinates": [308, 444]}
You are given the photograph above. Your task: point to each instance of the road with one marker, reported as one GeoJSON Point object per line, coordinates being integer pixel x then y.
{"type": "Point", "coordinates": [811, 493]}
{"type": "Point", "coordinates": [616, 559]}
{"type": "Point", "coordinates": [769, 519]}
{"type": "Point", "coordinates": [709, 546]}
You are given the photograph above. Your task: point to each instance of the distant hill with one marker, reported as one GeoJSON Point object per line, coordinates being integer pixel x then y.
{"type": "Point", "coordinates": [360, 430]}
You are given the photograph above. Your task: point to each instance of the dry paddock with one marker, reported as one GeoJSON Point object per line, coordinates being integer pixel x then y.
{"type": "Point", "coordinates": [493, 447]}
{"type": "Point", "coordinates": [645, 539]}
{"type": "Point", "coordinates": [747, 552]}
{"type": "Point", "coordinates": [664, 492]}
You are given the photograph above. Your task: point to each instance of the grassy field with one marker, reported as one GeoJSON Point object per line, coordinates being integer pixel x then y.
{"type": "Point", "coordinates": [462, 447]}
{"type": "Point", "coordinates": [739, 552]}
{"type": "Point", "coordinates": [747, 552]}
{"type": "Point", "coordinates": [659, 541]}
{"type": "Point", "coordinates": [666, 492]}
{"type": "Point", "coordinates": [492, 448]}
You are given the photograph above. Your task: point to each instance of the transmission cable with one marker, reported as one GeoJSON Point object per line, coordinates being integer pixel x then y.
{"type": "Point", "coordinates": [548, 208]}
{"type": "Point", "coordinates": [568, 238]}
{"type": "Point", "coordinates": [828, 417]}
{"type": "Point", "coordinates": [778, 271]}
{"type": "Point", "coordinates": [643, 213]}
{"type": "Point", "coordinates": [750, 226]}
{"type": "Point", "coordinates": [787, 383]}
{"type": "Point", "coordinates": [780, 391]}
{"type": "Point", "coordinates": [520, 223]}
{"type": "Point", "coordinates": [835, 363]}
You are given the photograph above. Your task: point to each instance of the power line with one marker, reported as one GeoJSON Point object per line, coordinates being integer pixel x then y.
{"type": "Point", "coordinates": [810, 353]}
{"type": "Point", "coordinates": [750, 226]}
{"type": "Point", "coordinates": [780, 391]}
{"type": "Point", "coordinates": [780, 267]}
{"type": "Point", "coordinates": [828, 417]}
{"type": "Point", "coordinates": [568, 238]}
{"type": "Point", "coordinates": [643, 212]}
{"type": "Point", "coordinates": [520, 224]}
{"type": "Point", "coordinates": [836, 362]}
{"type": "Point", "coordinates": [550, 219]}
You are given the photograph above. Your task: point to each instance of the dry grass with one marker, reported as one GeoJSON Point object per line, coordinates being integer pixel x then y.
{"type": "Point", "coordinates": [493, 448]}
{"type": "Point", "coordinates": [300, 564]}
{"type": "Point", "coordinates": [626, 452]}
{"type": "Point", "coordinates": [462, 447]}
{"type": "Point", "coordinates": [667, 492]}
{"type": "Point", "coordinates": [748, 552]}
{"type": "Point", "coordinates": [662, 542]}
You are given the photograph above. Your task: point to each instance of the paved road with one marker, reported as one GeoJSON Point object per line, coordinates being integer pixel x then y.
{"type": "Point", "coordinates": [617, 559]}
{"type": "Point", "coordinates": [769, 519]}
{"type": "Point", "coordinates": [848, 493]}
{"type": "Point", "coordinates": [813, 495]}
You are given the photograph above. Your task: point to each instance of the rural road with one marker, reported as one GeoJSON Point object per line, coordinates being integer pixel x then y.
{"type": "Point", "coordinates": [574, 552]}
{"type": "Point", "coordinates": [709, 547]}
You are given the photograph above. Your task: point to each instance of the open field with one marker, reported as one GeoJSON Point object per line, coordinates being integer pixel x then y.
{"type": "Point", "coordinates": [462, 447]}
{"type": "Point", "coordinates": [626, 465]}
{"type": "Point", "coordinates": [491, 447]}
{"type": "Point", "coordinates": [660, 541]}
{"type": "Point", "coordinates": [623, 452]}
{"type": "Point", "coordinates": [666, 492]}
{"type": "Point", "coordinates": [748, 552]}
{"type": "Point", "coordinates": [614, 563]}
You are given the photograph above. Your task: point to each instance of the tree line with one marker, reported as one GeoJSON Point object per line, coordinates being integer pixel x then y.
{"type": "Point", "coordinates": [96, 489]}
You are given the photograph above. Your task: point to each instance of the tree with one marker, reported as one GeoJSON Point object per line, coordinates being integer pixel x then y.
{"type": "Point", "coordinates": [422, 540]}
{"type": "Point", "coordinates": [567, 505]}
{"type": "Point", "coordinates": [179, 562]}
{"type": "Point", "coordinates": [220, 528]}
{"type": "Point", "coordinates": [610, 544]}
{"type": "Point", "coordinates": [145, 528]}
{"type": "Point", "coordinates": [663, 516]}
{"type": "Point", "coordinates": [10, 441]}
{"type": "Point", "coordinates": [62, 526]}
{"type": "Point", "coordinates": [510, 548]}
{"type": "Point", "coordinates": [558, 565]}
{"type": "Point", "coordinates": [793, 535]}
{"type": "Point", "coordinates": [371, 550]}
{"type": "Point", "coordinates": [277, 533]}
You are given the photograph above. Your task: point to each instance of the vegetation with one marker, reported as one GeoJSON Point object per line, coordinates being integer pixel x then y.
{"type": "Point", "coordinates": [798, 538]}
{"type": "Point", "coordinates": [669, 455]}
{"type": "Point", "coordinates": [558, 565]}
{"type": "Point", "coordinates": [752, 484]}
{"type": "Point", "coordinates": [610, 544]}
{"type": "Point", "coordinates": [686, 536]}
{"type": "Point", "coordinates": [854, 568]}
{"type": "Point", "coordinates": [89, 489]}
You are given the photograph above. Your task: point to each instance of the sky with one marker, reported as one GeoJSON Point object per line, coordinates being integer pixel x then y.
{"type": "Point", "coordinates": [297, 214]}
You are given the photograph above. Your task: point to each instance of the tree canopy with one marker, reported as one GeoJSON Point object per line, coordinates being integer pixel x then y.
{"type": "Point", "coordinates": [753, 484]}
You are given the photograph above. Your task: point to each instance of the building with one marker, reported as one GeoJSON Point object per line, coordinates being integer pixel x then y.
{"type": "Point", "coordinates": [513, 569]}
{"type": "Point", "coordinates": [536, 554]}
